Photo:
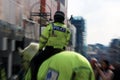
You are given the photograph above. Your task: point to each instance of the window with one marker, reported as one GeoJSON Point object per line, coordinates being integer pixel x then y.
{"type": "Point", "coordinates": [62, 1]}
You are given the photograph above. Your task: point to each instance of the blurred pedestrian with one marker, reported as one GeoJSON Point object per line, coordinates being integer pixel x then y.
{"type": "Point", "coordinates": [94, 61]}
{"type": "Point", "coordinates": [105, 73]}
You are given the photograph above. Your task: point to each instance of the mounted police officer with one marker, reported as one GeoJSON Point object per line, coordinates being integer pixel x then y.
{"type": "Point", "coordinates": [54, 38]}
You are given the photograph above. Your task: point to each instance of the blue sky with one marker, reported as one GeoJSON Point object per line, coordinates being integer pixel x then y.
{"type": "Point", "coordinates": [102, 18]}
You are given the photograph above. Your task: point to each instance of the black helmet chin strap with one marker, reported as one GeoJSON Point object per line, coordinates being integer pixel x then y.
{"type": "Point", "coordinates": [52, 28]}
{"type": "Point", "coordinates": [53, 33]}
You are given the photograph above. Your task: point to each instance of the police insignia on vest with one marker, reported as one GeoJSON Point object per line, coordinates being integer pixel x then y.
{"type": "Point", "coordinates": [59, 28]}
{"type": "Point", "coordinates": [52, 75]}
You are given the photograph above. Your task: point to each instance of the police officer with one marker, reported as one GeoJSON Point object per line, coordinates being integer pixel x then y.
{"type": "Point", "coordinates": [66, 65]}
{"type": "Point", "coordinates": [56, 35]}
{"type": "Point", "coordinates": [53, 39]}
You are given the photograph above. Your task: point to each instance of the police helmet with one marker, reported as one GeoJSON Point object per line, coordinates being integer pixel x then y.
{"type": "Point", "coordinates": [59, 16]}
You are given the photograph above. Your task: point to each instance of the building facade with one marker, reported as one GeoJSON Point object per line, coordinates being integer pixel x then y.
{"type": "Point", "coordinates": [20, 24]}
{"type": "Point", "coordinates": [53, 5]}
{"type": "Point", "coordinates": [79, 23]}
{"type": "Point", "coordinates": [114, 50]}
{"type": "Point", "coordinates": [72, 43]}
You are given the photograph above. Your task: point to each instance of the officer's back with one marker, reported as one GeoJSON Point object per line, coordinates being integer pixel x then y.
{"type": "Point", "coordinates": [66, 65]}
{"type": "Point", "coordinates": [54, 39]}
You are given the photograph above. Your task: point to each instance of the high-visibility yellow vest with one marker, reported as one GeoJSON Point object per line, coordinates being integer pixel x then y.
{"type": "Point", "coordinates": [2, 74]}
{"type": "Point", "coordinates": [56, 35]}
{"type": "Point", "coordinates": [28, 53]}
{"type": "Point", "coordinates": [66, 65]}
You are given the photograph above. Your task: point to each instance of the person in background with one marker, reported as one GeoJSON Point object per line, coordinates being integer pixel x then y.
{"type": "Point", "coordinates": [54, 38]}
{"type": "Point", "coordinates": [105, 73]}
{"type": "Point", "coordinates": [94, 61]}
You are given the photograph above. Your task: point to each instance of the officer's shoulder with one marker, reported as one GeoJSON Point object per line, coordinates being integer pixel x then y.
{"type": "Point", "coordinates": [48, 24]}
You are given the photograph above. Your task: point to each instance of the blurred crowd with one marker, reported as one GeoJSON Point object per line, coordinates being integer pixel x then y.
{"type": "Point", "coordinates": [104, 70]}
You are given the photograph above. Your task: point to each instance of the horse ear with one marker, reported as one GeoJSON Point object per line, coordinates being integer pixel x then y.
{"type": "Point", "coordinates": [20, 50]}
